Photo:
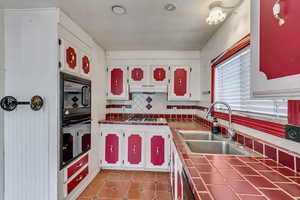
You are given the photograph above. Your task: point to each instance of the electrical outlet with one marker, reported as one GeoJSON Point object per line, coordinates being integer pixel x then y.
{"type": "Point", "coordinates": [292, 133]}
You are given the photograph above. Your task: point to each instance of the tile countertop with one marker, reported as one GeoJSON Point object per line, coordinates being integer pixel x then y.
{"type": "Point", "coordinates": [226, 177]}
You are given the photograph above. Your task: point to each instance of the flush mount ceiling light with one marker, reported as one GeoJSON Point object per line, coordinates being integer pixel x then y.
{"type": "Point", "coordinates": [216, 14]}
{"type": "Point", "coordinates": [170, 7]}
{"type": "Point", "coordinates": [118, 10]}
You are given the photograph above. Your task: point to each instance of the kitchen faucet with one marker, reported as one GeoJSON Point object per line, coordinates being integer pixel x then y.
{"type": "Point", "coordinates": [229, 130]}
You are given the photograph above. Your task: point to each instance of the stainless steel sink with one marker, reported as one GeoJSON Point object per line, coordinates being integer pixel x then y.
{"type": "Point", "coordinates": [199, 135]}
{"type": "Point", "coordinates": [217, 147]}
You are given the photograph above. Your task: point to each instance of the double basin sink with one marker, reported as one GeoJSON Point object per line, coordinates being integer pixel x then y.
{"type": "Point", "coordinates": [206, 143]}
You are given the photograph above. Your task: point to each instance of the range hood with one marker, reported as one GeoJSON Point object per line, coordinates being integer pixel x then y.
{"type": "Point", "coordinates": [139, 88]}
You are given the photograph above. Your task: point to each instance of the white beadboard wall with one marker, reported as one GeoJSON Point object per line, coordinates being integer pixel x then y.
{"type": "Point", "coordinates": [1, 111]}
{"type": "Point", "coordinates": [31, 159]}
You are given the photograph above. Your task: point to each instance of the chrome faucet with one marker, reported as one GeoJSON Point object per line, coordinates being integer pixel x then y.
{"type": "Point", "coordinates": [229, 130]}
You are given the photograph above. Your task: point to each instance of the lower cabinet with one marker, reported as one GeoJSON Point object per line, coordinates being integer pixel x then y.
{"type": "Point", "coordinates": [75, 174]}
{"type": "Point", "coordinates": [142, 147]}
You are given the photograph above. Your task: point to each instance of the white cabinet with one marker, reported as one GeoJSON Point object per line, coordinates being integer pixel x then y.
{"type": "Point", "coordinates": [179, 86]}
{"type": "Point", "coordinates": [176, 174]}
{"type": "Point", "coordinates": [138, 148]}
{"type": "Point", "coordinates": [134, 148]}
{"type": "Point", "coordinates": [157, 150]}
{"type": "Point", "coordinates": [138, 75]}
{"type": "Point", "coordinates": [159, 75]}
{"type": "Point", "coordinates": [275, 71]}
{"type": "Point", "coordinates": [111, 147]}
{"type": "Point", "coordinates": [75, 56]}
{"type": "Point", "coordinates": [117, 83]}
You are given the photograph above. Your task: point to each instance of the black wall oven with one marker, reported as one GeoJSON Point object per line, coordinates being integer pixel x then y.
{"type": "Point", "coordinates": [75, 101]}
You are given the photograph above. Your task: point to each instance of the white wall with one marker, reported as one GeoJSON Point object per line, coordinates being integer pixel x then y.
{"type": "Point", "coordinates": [1, 111]}
{"type": "Point", "coordinates": [233, 29]}
{"type": "Point", "coordinates": [31, 138]}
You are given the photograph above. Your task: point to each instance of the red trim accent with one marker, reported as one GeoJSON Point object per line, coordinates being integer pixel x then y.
{"type": "Point", "coordinates": [118, 106]}
{"type": "Point", "coordinates": [261, 125]}
{"type": "Point", "coordinates": [294, 112]}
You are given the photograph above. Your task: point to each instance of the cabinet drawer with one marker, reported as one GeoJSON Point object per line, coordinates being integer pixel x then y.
{"type": "Point", "coordinates": [77, 180]}
{"type": "Point", "coordinates": [77, 165]}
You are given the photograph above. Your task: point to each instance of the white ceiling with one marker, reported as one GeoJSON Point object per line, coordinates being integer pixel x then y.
{"type": "Point", "coordinates": [146, 26]}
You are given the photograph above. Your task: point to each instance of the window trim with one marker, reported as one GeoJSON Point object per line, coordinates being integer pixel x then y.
{"type": "Point", "coordinates": [270, 127]}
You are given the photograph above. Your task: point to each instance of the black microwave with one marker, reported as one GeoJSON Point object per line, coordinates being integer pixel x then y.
{"type": "Point", "coordinates": [75, 95]}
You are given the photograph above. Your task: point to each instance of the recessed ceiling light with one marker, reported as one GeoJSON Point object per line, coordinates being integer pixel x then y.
{"type": "Point", "coordinates": [170, 7]}
{"type": "Point", "coordinates": [118, 10]}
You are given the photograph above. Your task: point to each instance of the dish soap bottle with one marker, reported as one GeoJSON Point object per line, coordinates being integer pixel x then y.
{"type": "Point", "coordinates": [215, 129]}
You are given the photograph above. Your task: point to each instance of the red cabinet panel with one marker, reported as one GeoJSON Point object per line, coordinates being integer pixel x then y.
{"type": "Point", "coordinates": [157, 150]}
{"type": "Point", "coordinates": [86, 142]}
{"type": "Point", "coordinates": [159, 74]}
{"type": "Point", "coordinates": [180, 82]}
{"type": "Point", "coordinates": [71, 57]}
{"type": "Point", "coordinates": [279, 45]}
{"type": "Point", "coordinates": [137, 74]}
{"type": "Point", "coordinates": [76, 181]}
{"type": "Point", "coordinates": [117, 77]}
{"type": "Point", "coordinates": [134, 149]}
{"type": "Point", "coordinates": [112, 148]}
{"type": "Point", "coordinates": [77, 165]}
{"type": "Point", "coordinates": [86, 64]}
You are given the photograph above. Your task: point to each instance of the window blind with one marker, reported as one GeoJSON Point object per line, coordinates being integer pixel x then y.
{"type": "Point", "coordinates": [232, 85]}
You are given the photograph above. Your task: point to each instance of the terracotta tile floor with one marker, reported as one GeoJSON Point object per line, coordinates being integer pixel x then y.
{"type": "Point", "coordinates": [128, 185]}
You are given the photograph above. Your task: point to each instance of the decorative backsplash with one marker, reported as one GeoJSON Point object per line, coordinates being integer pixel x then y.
{"type": "Point", "coordinates": [143, 103]}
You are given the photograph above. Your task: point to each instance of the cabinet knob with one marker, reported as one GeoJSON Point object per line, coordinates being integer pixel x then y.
{"type": "Point", "coordinates": [277, 11]}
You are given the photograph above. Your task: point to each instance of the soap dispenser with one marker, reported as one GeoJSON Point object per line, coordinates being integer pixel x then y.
{"type": "Point", "coordinates": [215, 129]}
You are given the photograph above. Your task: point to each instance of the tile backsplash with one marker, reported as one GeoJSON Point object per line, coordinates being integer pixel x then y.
{"type": "Point", "coordinates": [144, 103]}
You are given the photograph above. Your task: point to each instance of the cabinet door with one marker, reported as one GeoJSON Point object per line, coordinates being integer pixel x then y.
{"type": "Point", "coordinates": [69, 55]}
{"type": "Point", "coordinates": [134, 148]}
{"type": "Point", "coordinates": [159, 75]}
{"type": "Point", "coordinates": [111, 148]}
{"type": "Point", "coordinates": [85, 64]}
{"type": "Point", "coordinates": [178, 186]}
{"type": "Point", "coordinates": [275, 70]}
{"type": "Point", "coordinates": [158, 151]}
{"type": "Point", "coordinates": [138, 75]}
{"type": "Point", "coordinates": [117, 83]}
{"type": "Point", "coordinates": [179, 83]}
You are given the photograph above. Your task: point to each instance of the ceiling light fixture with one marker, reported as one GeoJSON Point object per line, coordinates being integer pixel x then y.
{"type": "Point", "coordinates": [216, 15]}
{"type": "Point", "coordinates": [118, 10]}
{"type": "Point", "coordinates": [170, 7]}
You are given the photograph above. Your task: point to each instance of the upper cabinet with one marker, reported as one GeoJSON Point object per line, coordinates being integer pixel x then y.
{"type": "Point", "coordinates": [138, 75]}
{"type": "Point", "coordinates": [275, 55]}
{"type": "Point", "coordinates": [117, 83]}
{"type": "Point", "coordinates": [179, 87]}
{"type": "Point", "coordinates": [159, 75]}
{"type": "Point", "coordinates": [174, 80]}
{"type": "Point", "coordinates": [75, 55]}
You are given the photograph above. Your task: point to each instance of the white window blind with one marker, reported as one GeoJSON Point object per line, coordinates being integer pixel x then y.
{"type": "Point", "coordinates": [232, 85]}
